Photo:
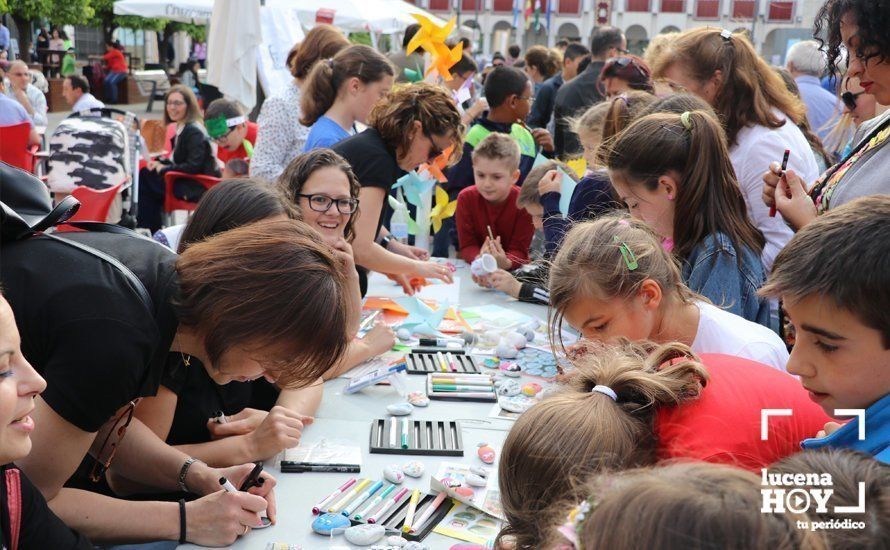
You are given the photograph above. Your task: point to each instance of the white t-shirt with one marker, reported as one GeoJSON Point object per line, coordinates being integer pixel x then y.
{"type": "Point", "coordinates": [723, 332]}
{"type": "Point", "coordinates": [756, 147]}
{"type": "Point", "coordinates": [86, 101]}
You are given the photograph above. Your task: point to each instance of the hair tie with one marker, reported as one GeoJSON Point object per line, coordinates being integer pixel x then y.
{"type": "Point", "coordinates": [331, 63]}
{"type": "Point", "coordinates": [686, 120]}
{"type": "Point", "coordinates": [726, 35]}
{"type": "Point", "coordinates": [605, 390]}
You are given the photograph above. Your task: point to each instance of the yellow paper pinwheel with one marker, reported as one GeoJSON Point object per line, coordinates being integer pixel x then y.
{"type": "Point", "coordinates": [429, 34]}
{"type": "Point", "coordinates": [442, 210]}
{"type": "Point", "coordinates": [444, 59]}
{"type": "Point", "coordinates": [578, 166]}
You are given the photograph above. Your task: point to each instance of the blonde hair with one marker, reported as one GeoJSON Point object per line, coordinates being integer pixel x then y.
{"type": "Point", "coordinates": [686, 506]}
{"type": "Point", "coordinates": [528, 192]}
{"type": "Point", "coordinates": [590, 121]}
{"type": "Point", "coordinates": [498, 146]}
{"type": "Point", "coordinates": [657, 46]}
{"type": "Point", "coordinates": [576, 432]}
{"type": "Point", "coordinates": [590, 263]}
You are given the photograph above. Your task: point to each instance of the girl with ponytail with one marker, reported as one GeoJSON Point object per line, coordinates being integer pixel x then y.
{"type": "Point", "coordinates": [673, 172]}
{"type": "Point", "coordinates": [341, 91]}
{"type": "Point", "coordinates": [633, 405]}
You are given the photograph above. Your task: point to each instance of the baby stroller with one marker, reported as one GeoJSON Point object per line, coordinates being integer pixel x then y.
{"type": "Point", "coordinates": [98, 148]}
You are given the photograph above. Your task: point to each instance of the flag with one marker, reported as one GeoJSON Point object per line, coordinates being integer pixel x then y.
{"type": "Point", "coordinates": [516, 13]}
{"type": "Point", "coordinates": [549, 5]}
{"type": "Point", "coordinates": [528, 13]}
{"type": "Point", "coordinates": [537, 14]}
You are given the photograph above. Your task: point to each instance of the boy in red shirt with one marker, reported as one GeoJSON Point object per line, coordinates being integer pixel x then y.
{"type": "Point", "coordinates": [233, 133]}
{"type": "Point", "coordinates": [116, 70]}
{"type": "Point", "coordinates": [488, 220]}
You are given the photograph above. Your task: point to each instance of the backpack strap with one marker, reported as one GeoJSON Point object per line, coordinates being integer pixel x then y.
{"type": "Point", "coordinates": [14, 505]}
{"type": "Point", "coordinates": [476, 134]}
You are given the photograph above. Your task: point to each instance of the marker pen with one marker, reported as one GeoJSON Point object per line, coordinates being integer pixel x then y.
{"type": "Point", "coordinates": [389, 504]}
{"type": "Point", "coordinates": [404, 433]}
{"type": "Point", "coordinates": [364, 511]}
{"type": "Point", "coordinates": [428, 512]}
{"type": "Point", "coordinates": [412, 508]}
{"type": "Point", "coordinates": [451, 362]}
{"type": "Point", "coordinates": [772, 209]}
{"type": "Point", "coordinates": [349, 496]}
{"type": "Point", "coordinates": [327, 500]}
{"type": "Point", "coordinates": [353, 506]}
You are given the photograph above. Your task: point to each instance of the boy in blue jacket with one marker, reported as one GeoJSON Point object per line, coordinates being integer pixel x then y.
{"type": "Point", "coordinates": [833, 280]}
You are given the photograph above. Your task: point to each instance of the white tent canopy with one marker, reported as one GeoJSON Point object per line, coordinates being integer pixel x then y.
{"type": "Point", "coordinates": [185, 11]}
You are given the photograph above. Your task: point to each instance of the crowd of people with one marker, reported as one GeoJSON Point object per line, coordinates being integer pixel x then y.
{"type": "Point", "coordinates": [708, 277]}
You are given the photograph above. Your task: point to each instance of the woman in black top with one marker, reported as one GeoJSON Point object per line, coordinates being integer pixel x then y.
{"type": "Point", "coordinates": [413, 125]}
{"type": "Point", "coordinates": [192, 154]}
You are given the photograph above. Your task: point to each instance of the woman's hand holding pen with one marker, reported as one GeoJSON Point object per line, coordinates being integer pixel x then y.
{"type": "Point", "coordinates": [787, 192]}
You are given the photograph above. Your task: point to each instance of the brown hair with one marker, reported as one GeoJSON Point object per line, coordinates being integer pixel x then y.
{"type": "Point", "coordinates": [545, 60]}
{"type": "Point", "coordinates": [708, 199]}
{"type": "Point", "coordinates": [576, 432]}
{"type": "Point", "coordinates": [630, 69]}
{"type": "Point", "coordinates": [684, 506]}
{"type": "Point", "coordinates": [528, 192]}
{"type": "Point", "coordinates": [750, 88]}
{"type": "Point", "coordinates": [302, 167]}
{"type": "Point", "coordinates": [843, 256]}
{"type": "Point", "coordinates": [623, 109]}
{"type": "Point", "coordinates": [322, 42]}
{"type": "Point", "coordinates": [324, 82]}
{"type": "Point", "coordinates": [590, 263]}
{"type": "Point", "coordinates": [847, 469]}
{"type": "Point", "coordinates": [271, 285]}
{"type": "Point", "coordinates": [498, 146]}
{"type": "Point", "coordinates": [192, 111]}
{"type": "Point", "coordinates": [427, 103]}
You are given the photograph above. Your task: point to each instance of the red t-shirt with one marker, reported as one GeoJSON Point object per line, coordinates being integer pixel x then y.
{"type": "Point", "coordinates": [507, 221]}
{"type": "Point", "coordinates": [723, 424]}
{"type": "Point", "coordinates": [225, 155]}
{"type": "Point", "coordinates": [116, 61]}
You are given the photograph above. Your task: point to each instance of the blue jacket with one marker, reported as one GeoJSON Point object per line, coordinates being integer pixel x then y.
{"type": "Point", "coordinates": [591, 198]}
{"type": "Point", "coordinates": [877, 433]}
{"type": "Point", "coordinates": [728, 277]}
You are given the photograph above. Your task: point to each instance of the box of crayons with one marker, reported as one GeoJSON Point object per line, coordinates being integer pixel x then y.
{"type": "Point", "coordinates": [392, 506]}
{"type": "Point", "coordinates": [460, 387]}
{"type": "Point", "coordinates": [425, 363]}
{"type": "Point", "coordinates": [406, 436]}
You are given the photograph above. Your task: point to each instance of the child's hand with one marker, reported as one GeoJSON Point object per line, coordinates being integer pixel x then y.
{"type": "Point", "coordinates": [550, 183]}
{"type": "Point", "coordinates": [543, 139]}
{"type": "Point", "coordinates": [496, 250]}
{"type": "Point", "coordinates": [379, 339]}
{"type": "Point", "coordinates": [403, 280]}
{"type": "Point", "coordinates": [505, 282]}
{"type": "Point", "coordinates": [829, 429]}
{"type": "Point", "coordinates": [484, 281]}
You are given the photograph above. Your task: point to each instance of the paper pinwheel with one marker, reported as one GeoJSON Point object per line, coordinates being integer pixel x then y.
{"type": "Point", "coordinates": [397, 206]}
{"type": "Point", "coordinates": [578, 165]}
{"type": "Point", "coordinates": [438, 164]}
{"type": "Point", "coordinates": [443, 209]}
{"type": "Point", "coordinates": [430, 35]}
{"type": "Point", "coordinates": [414, 185]}
{"type": "Point", "coordinates": [444, 59]}
{"type": "Point", "coordinates": [422, 319]}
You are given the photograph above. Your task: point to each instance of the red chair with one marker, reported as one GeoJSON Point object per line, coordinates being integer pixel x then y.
{"type": "Point", "coordinates": [94, 205]}
{"type": "Point", "coordinates": [14, 147]}
{"type": "Point", "coordinates": [171, 203]}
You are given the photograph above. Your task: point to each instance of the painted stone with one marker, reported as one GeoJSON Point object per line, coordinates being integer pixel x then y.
{"type": "Point", "coordinates": [506, 351]}
{"type": "Point", "coordinates": [365, 534]}
{"type": "Point", "coordinates": [516, 404]}
{"type": "Point", "coordinates": [486, 454]}
{"type": "Point", "coordinates": [393, 474]}
{"type": "Point", "coordinates": [414, 545]}
{"type": "Point", "coordinates": [451, 482]}
{"type": "Point", "coordinates": [463, 491]}
{"type": "Point", "coordinates": [397, 541]}
{"type": "Point", "coordinates": [418, 399]}
{"type": "Point", "coordinates": [491, 362]}
{"type": "Point", "coordinates": [475, 481]}
{"type": "Point", "coordinates": [400, 409]}
{"type": "Point", "coordinates": [516, 339]}
{"type": "Point", "coordinates": [479, 471]}
{"type": "Point", "coordinates": [531, 389]}
{"type": "Point", "coordinates": [325, 523]}
{"type": "Point", "coordinates": [403, 334]}
{"type": "Point", "coordinates": [413, 468]}
{"type": "Point", "coordinates": [508, 388]}
{"type": "Point", "coordinates": [510, 369]}
{"type": "Point", "coordinates": [532, 325]}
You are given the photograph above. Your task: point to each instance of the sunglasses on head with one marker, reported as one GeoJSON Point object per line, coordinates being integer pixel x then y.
{"type": "Point", "coordinates": [849, 99]}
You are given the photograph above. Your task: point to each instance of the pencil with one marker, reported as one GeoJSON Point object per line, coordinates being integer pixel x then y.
{"type": "Point", "coordinates": [412, 508]}
{"type": "Point", "coordinates": [772, 209]}
{"type": "Point", "coordinates": [490, 234]}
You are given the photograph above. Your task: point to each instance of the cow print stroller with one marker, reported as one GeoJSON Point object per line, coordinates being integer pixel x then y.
{"type": "Point", "coordinates": [98, 148]}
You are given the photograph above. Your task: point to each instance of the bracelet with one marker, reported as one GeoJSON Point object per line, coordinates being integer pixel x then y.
{"type": "Point", "coordinates": [182, 521]}
{"type": "Point", "coordinates": [184, 472]}
{"type": "Point", "coordinates": [384, 242]}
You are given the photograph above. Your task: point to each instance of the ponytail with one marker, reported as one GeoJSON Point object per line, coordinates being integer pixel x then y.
{"type": "Point", "coordinates": [328, 75]}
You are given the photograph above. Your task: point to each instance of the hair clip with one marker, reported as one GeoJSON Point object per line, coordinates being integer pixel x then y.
{"type": "Point", "coordinates": [726, 35]}
{"type": "Point", "coordinates": [629, 258]}
{"type": "Point", "coordinates": [573, 522]}
{"type": "Point", "coordinates": [605, 390]}
{"type": "Point", "coordinates": [331, 63]}
{"type": "Point", "coordinates": [686, 120]}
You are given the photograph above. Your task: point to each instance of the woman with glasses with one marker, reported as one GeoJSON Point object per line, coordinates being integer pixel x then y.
{"type": "Point", "coordinates": [860, 27]}
{"type": "Point", "coordinates": [623, 74]}
{"type": "Point", "coordinates": [413, 125]}
{"type": "Point", "coordinates": [192, 154]}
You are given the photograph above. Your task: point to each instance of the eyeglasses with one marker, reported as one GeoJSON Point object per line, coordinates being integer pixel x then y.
{"type": "Point", "coordinates": [222, 138]}
{"type": "Point", "coordinates": [176, 103]}
{"type": "Point", "coordinates": [434, 149]}
{"type": "Point", "coordinates": [322, 203]}
{"type": "Point", "coordinates": [849, 99]}
{"type": "Point", "coordinates": [112, 441]}
{"type": "Point", "coordinates": [529, 98]}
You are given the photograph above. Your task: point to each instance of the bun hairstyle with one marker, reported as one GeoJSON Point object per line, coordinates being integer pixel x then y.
{"type": "Point", "coordinates": [686, 506]}
{"type": "Point", "coordinates": [328, 75]}
{"type": "Point", "coordinates": [590, 263]}
{"type": "Point", "coordinates": [708, 198]}
{"type": "Point", "coordinates": [576, 432]}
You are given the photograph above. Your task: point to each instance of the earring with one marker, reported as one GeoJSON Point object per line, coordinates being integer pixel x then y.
{"type": "Point", "coordinates": [670, 197]}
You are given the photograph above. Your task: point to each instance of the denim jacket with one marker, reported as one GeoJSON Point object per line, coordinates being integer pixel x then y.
{"type": "Point", "coordinates": [714, 271]}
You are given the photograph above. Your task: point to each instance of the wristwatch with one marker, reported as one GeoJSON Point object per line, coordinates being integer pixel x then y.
{"type": "Point", "coordinates": [384, 242]}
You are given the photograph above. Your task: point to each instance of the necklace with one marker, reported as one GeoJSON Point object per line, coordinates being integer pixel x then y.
{"type": "Point", "coordinates": [186, 359]}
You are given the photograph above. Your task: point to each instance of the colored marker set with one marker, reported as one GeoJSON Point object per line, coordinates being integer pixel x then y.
{"type": "Point", "coordinates": [416, 437]}
{"type": "Point", "coordinates": [460, 387]}
{"type": "Point", "coordinates": [396, 508]}
{"type": "Point", "coordinates": [424, 363]}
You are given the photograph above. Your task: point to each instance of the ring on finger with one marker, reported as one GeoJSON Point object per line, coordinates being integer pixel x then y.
{"type": "Point", "coordinates": [246, 529]}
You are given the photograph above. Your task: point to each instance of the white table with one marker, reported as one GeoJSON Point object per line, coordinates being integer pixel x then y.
{"type": "Point", "coordinates": [348, 417]}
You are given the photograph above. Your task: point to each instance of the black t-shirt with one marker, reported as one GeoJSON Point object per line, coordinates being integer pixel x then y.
{"type": "Point", "coordinates": [84, 328]}
{"type": "Point", "coordinates": [40, 528]}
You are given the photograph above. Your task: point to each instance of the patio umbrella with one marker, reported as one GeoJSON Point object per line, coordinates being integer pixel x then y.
{"type": "Point", "coordinates": [232, 46]}
{"type": "Point", "coordinates": [377, 16]}
{"type": "Point", "coordinates": [185, 11]}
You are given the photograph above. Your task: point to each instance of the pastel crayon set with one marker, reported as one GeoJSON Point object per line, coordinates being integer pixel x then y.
{"type": "Point", "coordinates": [460, 387]}
{"type": "Point", "coordinates": [425, 363]}
{"type": "Point", "coordinates": [412, 513]}
{"type": "Point", "coordinates": [405, 436]}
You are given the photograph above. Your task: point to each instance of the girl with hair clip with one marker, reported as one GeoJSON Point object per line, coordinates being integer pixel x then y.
{"type": "Point", "coordinates": [632, 405]}
{"type": "Point", "coordinates": [754, 105]}
{"type": "Point", "coordinates": [673, 172]}
{"type": "Point", "coordinates": [678, 507]}
{"type": "Point", "coordinates": [613, 279]}
{"type": "Point", "coordinates": [341, 91]}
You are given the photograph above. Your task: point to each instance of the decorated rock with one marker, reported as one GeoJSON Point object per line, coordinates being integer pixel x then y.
{"type": "Point", "coordinates": [486, 454]}
{"type": "Point", "coordinates": [516, 339]}
{"type": "Point", "coordinates": [403, 334]}
{"type": "Point", "coordinates": [531, 389]}
{"type": "Point", "coordinates": [510, 369]}
{"type": "Point", "coordinates": [491, 362]}
{"type": "Point", "coordinates": [451, 482]}
{"type": "Point", "coordinates": [528, 333]}
{"type": "Point", "coordinates": [475, 481]}
{"type": "Point", "coordinates": [414, 545]}
{"type": "Point", "coordinates": [325, 523]}
{"type": "Point", "coordinates": [479, 471]}
{"type": "Point", "coordinates": [400, 409]}
{"type": "Point", "coordinates": [393, 474]}
{"type": "Point", "coordinates": [365, 534]}
{"type": "Point", "coordinates": [516, 404]}
{"type": "Point", "coordinates": [413, 468]}
{"type": "Point", "coordinates": [506, 351]}
{"type": "Point", "coordinates": [463, 491]}
{"type": "Point", "coordinates": [418, 399]}
{"type": "Point", "coordinates": [508, 388]}
{"type": "Point", "coordinates": [397, 541]}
